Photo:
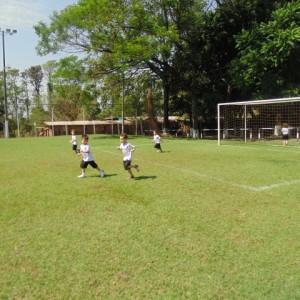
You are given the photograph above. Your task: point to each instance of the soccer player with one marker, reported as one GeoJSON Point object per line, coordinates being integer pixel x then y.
{"type": "Point", "coordinates": [127, 150]}
{"type": "Point", "coordinates": [73, 141]}
{"type": "Point", "coordinates": [285, 133]}
{"type": "Point", "coordinates": [87, 157]}
{"type": "Point", "coordinates": [157, 140]}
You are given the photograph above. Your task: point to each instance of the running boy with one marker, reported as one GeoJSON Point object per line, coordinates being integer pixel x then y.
{"type": "Point", "coordinates": [73, 141]}
{"type": "Point", "coordinates": [87, 157]}
{"type": "Point", "coordinates": [157, 140]}
{"type": "Point", "coordinates": [127, 150]}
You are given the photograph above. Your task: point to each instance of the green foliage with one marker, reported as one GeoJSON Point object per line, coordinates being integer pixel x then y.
{"type": "Point", "coordinates": [237, 49]}
{"type": "Point", "coordinates": [122, 37]}
{"type": "Point", "coordinates": [73, 90]}
{"type": "Point", "coordinates": [35, 76]}
{"type": "Point", "coordinates": [39, 116]}
{"type": "Point", "coordinates": [69, 71]}
{"type": "Point", "coordinates": [268, 60]}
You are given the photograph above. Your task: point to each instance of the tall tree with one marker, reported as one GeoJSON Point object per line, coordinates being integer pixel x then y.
{"type": "Point", "coordinates": [73, 90]}
{"type": "Point", "coordinates": [228, 21]}
{"type": "Point", "coordinates": [49, 68]}
{"type": "Point", "coordinates": [25, 92]}
{"type": "Point", "coordinates": [14, 93]}
{"type": "Point", "coordinates": [121, 35]}
{"type": "Point", "coordinates": [35, 76]}
{"type": "Point", "coordinates": [268, 60]}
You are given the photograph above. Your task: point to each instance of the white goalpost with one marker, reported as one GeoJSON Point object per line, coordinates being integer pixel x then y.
{"type": "Point", "coordinates": [258, 120]}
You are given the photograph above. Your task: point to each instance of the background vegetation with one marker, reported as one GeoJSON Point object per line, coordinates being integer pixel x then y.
{"type": "Point", "coordinates": [192, 54]}
{"type": "Point", "coordinates": [198, 222]}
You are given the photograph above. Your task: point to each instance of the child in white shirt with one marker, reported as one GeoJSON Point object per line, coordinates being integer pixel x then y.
{"type": "Point", "coordinates": [127, 150]}
{"type": "Point", "coordinates": [73, 141]}
{"type": "Point", "coordinates": [87, 157]}
{"type": "Point", "coordinates": [157, 140]}
{"type": "Point", "coordinates": [285, 133]}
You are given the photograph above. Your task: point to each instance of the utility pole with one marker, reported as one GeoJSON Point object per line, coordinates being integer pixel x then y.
{"type": "Point", "coordinates": [10, 32]}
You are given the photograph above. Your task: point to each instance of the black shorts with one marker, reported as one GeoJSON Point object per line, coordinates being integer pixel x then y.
{"type": "Point", "coordinates": [285, 137]}
{"type": "Point", "coordinates": [74, 147]}
{"type": "Point", "coordinates": [157, 146]}
{"type": "Point", "coordinates": [126, 164]}
{"type": "Point", "coordinates": [84, 164]}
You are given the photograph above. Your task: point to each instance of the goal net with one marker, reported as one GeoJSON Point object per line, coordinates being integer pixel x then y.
{"type": "Point", "coordinates": [259, 120]}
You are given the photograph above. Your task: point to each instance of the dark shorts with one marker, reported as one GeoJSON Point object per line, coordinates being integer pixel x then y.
{"type": "Point", "coordinates": [157, 146]}
{"type": "Point", "coordinates": [74, 147]}
{"type": "Point", "coordinates": [84, 164]}
{"type": "Point", "coordinates": [285, 136]}
{"type": "Point", "coordinates": [126, 164]}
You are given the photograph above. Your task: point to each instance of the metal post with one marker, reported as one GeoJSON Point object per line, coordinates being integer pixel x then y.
{"type": "Point", "coordinates": [123, 91]}
{"type": "Point", "coordinates": [52, 119]}
{"type": "Point", "coordinates": [6, 133]}
{"type": "Point", "coordinates": [245, 113]}
{"type": "Point", "coordinates": [10, 32]}
{"type": "Point", "coordinates": [83, 116]}
{"type": "Point", "coordinates": [219, 126]}
{"type": "Point", "coordinates": [18, 123]}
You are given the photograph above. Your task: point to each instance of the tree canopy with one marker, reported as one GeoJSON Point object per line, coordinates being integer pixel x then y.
{"type": "Point", "coordinates": [196, 53]}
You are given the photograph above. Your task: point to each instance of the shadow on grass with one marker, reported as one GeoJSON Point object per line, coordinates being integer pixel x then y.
{"type": "Point", "coordinates": [105, 176]}
{"type": "Point", "coordinates": [145, 177]}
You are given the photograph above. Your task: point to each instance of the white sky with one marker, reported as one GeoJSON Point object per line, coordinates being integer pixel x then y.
{"type": "Point", "coordinates": [22, 15]}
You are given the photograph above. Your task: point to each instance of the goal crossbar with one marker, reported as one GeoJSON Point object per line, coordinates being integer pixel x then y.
{"type": "Point", "coordinates": [266, 101]}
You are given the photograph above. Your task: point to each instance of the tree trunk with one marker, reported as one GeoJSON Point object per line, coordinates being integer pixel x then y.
{"type": "Point", "coordinates": [195, 130]}
{"type": "Point", "coordinates": [166, 107]}
{"type": "Point", "coordinates": [150, 109]}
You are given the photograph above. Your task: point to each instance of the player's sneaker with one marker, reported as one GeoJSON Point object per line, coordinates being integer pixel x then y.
{"type": "Point", "coordinates": [137, 168]}
{"type": "Point", "coordinates": [131, 177]}
{"type": "Point", "coordinates": [101, 173]}
{"type": "Point", "coordinates": [81, 176]}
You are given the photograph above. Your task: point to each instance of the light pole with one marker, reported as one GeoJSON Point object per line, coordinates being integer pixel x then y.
{"type": "Point", "coordinates": [10, 32]}
{"type": "Point", "coordinates": [123, 96]}
{"type": "Point", "coordinates": [17, 113]}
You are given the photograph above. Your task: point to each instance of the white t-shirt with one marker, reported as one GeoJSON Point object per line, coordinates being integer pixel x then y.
{"type": "Point", "coordinates": [285, 131]}
{"type": "Point", "coordinates": [126, 149]}
{"type": "Point", "coordinates": [86, 154]}
{"type": "Point", "coordinates": [156, 139]}
{"type": "Point", "coordinates": [74, 140]}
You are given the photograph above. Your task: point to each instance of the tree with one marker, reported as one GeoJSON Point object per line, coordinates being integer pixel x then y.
{"type": "Point", "coordinates": [121, 36]}
{"type": "Point", "coordinates": [49, 68]}
{"type": "Point", "coordinates": [213, 48]}
{"type": "Point", "coordinates": [268, 59]}
{"type": "Point", "coordinates": [35, 76]}
{"type": "Point", "coordinates": [73, 92]}
{"type": "Point", "coordinates": [14, 95]}
{"type": "Point", "coordinates": [191, 46]}
{"type": "Point", "coordinates": [25, 92]}
{"type": "Point", "coordinates": [190, 60]}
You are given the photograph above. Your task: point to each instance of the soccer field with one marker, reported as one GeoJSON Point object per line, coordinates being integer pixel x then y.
{"type": "Point", "coordinates": [199, 221]}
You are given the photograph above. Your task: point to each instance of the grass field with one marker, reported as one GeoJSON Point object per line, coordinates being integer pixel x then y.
{"type": "Point", "coordinates": [198, 222]}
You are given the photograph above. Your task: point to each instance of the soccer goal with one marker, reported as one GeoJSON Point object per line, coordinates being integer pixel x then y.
{"type": "Point", "coordinates": [258, 120]}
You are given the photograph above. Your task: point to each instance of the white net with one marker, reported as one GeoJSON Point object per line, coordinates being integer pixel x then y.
{"type": "Point", "coordinates": [259, 120]}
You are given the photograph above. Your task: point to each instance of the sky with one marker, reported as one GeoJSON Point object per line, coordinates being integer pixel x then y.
{"type": "Point", "coordinates": [21, 15]}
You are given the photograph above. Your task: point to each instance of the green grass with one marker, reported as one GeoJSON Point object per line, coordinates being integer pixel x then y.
{"type": "Point", "coordinates": [198, 222]}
